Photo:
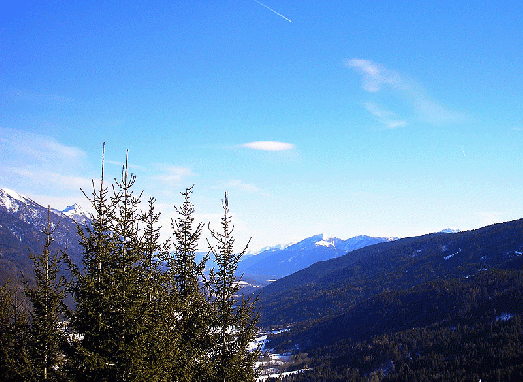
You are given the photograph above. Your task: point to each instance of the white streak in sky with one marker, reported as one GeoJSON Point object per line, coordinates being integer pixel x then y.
{"type": "Point", "coordinates": [376, 76]}
{"type": "Point", "coordinates": [269, 146]}
{"type": "Point", "coordinates": [388, 118]}
{"type": "Point", "coordinates": [272, 10]}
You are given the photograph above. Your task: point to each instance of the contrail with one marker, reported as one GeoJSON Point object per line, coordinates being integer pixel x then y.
{"type": "Point", "coordinates": [272, 10]}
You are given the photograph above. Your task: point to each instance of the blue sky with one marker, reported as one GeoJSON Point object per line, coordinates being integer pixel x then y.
{"type": "Point", "coordinates": [345, 118]}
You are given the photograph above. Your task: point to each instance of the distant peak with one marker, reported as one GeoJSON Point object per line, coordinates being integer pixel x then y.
{"type": "Point", "coordinates": [12, 194]}
{"type": "Point", "coordinates": [11, 199]}
{"type": "Point", "coordinates": [449, 230]}
{"type": "Point", "coordinates": [76, 212]}
{"type": "Point", "coordinates": [75, 207]}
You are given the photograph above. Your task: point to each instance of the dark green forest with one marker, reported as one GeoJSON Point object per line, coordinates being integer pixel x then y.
{"type": "Point", "coordinates": [143, 309]}
{"type": "Point", "coordinates": [466, 334]}
{"type": "Point", "coordinates": [440, 307]}
{"type": "Point", "coordinates": [466, 329]}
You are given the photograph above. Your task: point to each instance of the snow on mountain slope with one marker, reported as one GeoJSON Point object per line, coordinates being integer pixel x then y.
{"type": "Point", "coordinates": [11, 200]}
{"type": "Point", "coordinates": [450, 230]}
{"type": "Point", "coordinates": [275, 263]}
{"type": "Point", "coordinates": [326, 242]}
{"type": "Point", "coordinates": [77, 213]}
{"type": "Point", "coordinates": [22, 223]}
{"type": "Point", "coordinates": [31, 212]}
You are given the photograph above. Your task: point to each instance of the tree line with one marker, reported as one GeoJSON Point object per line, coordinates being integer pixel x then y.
{"type": "Point", "coordinates": [447, 330]}
{"type": "Point", "coordinates": [144, 309]}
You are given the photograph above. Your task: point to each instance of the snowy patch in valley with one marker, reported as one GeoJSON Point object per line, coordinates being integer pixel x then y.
{"type": "Point", "coordinates": [449, 256]}
{"type": "Point", "coordinates": [504, 317]}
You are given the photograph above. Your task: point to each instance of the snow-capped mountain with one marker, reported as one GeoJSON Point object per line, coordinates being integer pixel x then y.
{"type": "Point", "coordinates": [276, 262]}
{"type": "Point", "coordinates": [77, 213]}
{"type": "Point", "coordinates": [35, 214]}
{"type": "Point", "coordinates": [11, 200]}
{"type": "Point", "coordinates": [22, 221]}
{"type": "Point", "coordinates": [449, 230]}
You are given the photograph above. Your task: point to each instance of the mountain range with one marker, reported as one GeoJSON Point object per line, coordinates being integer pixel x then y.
{"type": "Point", "coordinates": [396, 264]}
{"type": "Point", "coordinates": [325, 302]}
{"type": "Point", "coordinates": [443, 306]}
{"type": "Point", "coordinates": [22, 221]}
{"type": "Point", "coordinates": [276, 262]}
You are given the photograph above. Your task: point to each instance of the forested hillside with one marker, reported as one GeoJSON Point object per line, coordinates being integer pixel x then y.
{"type": "Point", "coordinates": [441, 307]}
{"type": "Point", "coordinates": [330, 288]}
{"type": "Point", "coordinates": [455, 330]}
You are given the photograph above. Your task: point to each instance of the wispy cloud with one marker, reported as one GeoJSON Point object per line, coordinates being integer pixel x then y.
{"type": "Point", "coordinates": [32, 162]}
{"type": "Point", "coordinates": [38, 147]}
{"type": "Point", "coordinates": [386, 117]}
{"type": "Point", "coordinates": [374, 75]}
{"type": "Point", "coordinates": [424, 108]}
{"type": "Point", "coordinates": [62, 150]}
{"type": "Point", "coordinates": [269, 146]}
{"type": "Point", "coordinates": [38, 176]}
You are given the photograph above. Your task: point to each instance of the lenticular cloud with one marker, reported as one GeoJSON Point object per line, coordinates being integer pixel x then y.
{"type": "Point", "coordinates": [269, 146]}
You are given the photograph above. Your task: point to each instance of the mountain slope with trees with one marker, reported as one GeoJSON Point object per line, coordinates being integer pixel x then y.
{"type": "Point", "coordinates": [21, 223]}
{"type": "Point", "coordinates": [331, 287]}
{"type": "Point", "coordinates": [274, 263]}
{"type": "Point", "coordinates": [448, 330]}
{"type": "Point", "coordinates": [444, 307]}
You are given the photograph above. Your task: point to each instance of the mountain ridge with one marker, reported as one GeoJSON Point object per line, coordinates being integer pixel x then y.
{"type": "Point", "coordinates": [22, 221]}
{"type": "Point", "coordinates": [275, 263]}
{"type": "Point", "coordinates": [331, 287]}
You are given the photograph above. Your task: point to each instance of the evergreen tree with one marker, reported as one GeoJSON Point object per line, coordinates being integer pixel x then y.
{"type": "Point", "coordinates": [235, 321]}
{"type": "Point", "coordinates": [15, 357]}
{"type": "Point", "coordinates": [91, 291]}
{"type": "Point", "coordinates": [114, 294]}
{"type": "Point", "coordinates": [159, 311]}
{"type": "Point", "coordinates": [190, 297]}
{"type": "Point", "coordinates": [143, 314]}
{"type": "Point", "coordinates": [48, 339]}
{"type": "Point", "coordinates": [129, 294]}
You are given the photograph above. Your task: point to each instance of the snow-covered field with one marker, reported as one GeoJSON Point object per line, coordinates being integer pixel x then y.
{"type": "Point", "coordinates": [271, 365]}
